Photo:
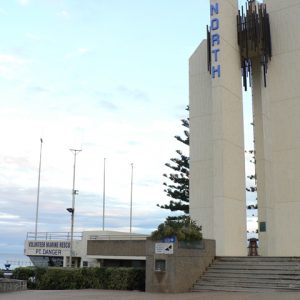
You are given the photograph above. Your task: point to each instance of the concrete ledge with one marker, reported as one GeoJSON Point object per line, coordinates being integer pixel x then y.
{"type": "Point", "coordinates": [182, 268]}
{"type": "Point", "coordinates": [12, 285]}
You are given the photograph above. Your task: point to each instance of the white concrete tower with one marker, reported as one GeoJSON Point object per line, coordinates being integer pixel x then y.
{"type": "Point", "coordinates": [277, 134]}
{"type": "Point", "coordinates": [217, 178]}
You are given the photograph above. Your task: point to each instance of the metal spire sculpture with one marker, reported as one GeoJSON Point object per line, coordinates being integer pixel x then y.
{"type": "Point", "coordinates": [254, 38]}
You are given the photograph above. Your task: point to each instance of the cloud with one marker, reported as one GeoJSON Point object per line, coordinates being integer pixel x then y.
{"type": "Point", "coordinates": [3, 12]}
{"type": "Point", "coordinates": [12, 59]}
{"type": "Point", "coordinates": [64, 14]}
{"type": "Point", "coordinates": [34, 37]}
{"type": "Point", "coordinates": [108, 105]}
{"type": "Point", "coordinates": [78, 52]}
{"type": "Point", "coordinates": [23, 2]}
{"type": "Point", "coordinates": [37, 89]}
{"type": "Point", "coordinates": [10, 65]}
{"type": "Point", "coordinates": [83, 50]}
{"type": "Point", "coordinates": [133, 143]}
{"type": "Point", "coordinates": [133, 93]}
{"type": "Point", "coordinates": [8, 216]}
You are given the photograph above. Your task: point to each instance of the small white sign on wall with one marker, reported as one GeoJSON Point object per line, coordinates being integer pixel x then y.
{"type": "Point", "coordinates": [164, 248]}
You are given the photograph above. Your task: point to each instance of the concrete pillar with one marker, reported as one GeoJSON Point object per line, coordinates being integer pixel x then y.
{"type": "Point", "coordinates": [201, 142]}
{"type": "Point", "coordinates": [217, 146]}
{"type": "Point", "coordinates": [263, 155]}
{"type": "Point", "coordinates": [281, 102]}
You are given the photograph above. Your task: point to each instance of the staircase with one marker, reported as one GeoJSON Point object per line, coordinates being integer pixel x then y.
{"type": "Point", "coordinates": [251, 274]}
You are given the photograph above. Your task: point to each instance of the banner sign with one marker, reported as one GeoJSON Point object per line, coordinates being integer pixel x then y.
{"type": "Point", "coordinates": [47, 248]}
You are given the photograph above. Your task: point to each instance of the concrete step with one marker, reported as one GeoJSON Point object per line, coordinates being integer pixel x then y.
{"type": "Point", "coordinates": [243, 281]}
{"type": "Point", "coordinates": [258, 258]}
{"type": "Point", "coordinates": [238, 289]}
{"type": "Point", "coordinates": [254, 267]}
{"type": "Point", "coordinates": [247, 284]}
{"type": "Point", "coordinates": [255, 274]}
{"type": "Point", "coordinates": [257, 262]}
{"type": "Point", "coordinates": [216, 275]}
{"type": "Point", "coordinates": [262, 271]}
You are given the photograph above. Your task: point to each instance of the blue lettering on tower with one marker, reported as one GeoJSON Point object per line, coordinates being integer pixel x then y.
{"type": "Point", "coordinates": [215, 40]}
{"type": "Point", "coordinates": [214, 24]}
{"type": "Point", "coordinates": [214, 9]}
{"type": "Point", "coordinates": [215, 70]}
{"type": "Point", "coordinates": [215, 53]}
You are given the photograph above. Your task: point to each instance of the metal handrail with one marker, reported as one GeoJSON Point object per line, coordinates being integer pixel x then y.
{"type": "Point", "coordinates": [53, 236]}
{"type": "Point", "coordinates": [118, 237]}
{"type": "Point", "coordinates": [78, 236]}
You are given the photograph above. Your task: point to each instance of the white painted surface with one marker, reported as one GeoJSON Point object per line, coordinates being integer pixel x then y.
{"type": "Point", "coordinates": [217, 195]}
{"type": "Point", "coordinates": [278, 135]}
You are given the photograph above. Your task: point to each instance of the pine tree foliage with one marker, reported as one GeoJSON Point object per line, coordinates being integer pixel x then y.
{"type": "Point", "coordinates": [177, 185]}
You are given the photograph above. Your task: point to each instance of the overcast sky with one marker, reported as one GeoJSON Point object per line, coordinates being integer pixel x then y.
{"type": "Point", "coordinates": [109, 77]}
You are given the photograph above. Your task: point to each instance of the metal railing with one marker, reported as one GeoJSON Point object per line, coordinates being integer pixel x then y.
{"type": "Point", "coordinates": [112, 237]}
{"type": "Point", "coordinates": [18, 263]}
{"type": "Point", "coordinates": [53, 236]}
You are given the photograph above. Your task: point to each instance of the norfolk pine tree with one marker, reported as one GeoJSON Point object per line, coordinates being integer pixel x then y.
{"type": "Point", "coordinates": [177, 186]}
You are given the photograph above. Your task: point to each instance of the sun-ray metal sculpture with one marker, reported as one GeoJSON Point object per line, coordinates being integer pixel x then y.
{"type": "Point", "coordinates": [254, 38]}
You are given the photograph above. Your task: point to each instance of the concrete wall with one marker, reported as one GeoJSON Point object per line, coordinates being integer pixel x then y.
{"type": "Point", "coordinates": [278, 135]}
{"type": "Point", "coordinates": [183, 267]}
{"type": "Point", "coordinates": [12, 285]}
{"type": "Point", "coordinates": [117, 248]}
{"type": "Point", "coordinates": [217, 179]}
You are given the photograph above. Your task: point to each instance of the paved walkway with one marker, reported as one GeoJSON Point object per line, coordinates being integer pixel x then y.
{"type": "Point", "coordinates": [125, 295]}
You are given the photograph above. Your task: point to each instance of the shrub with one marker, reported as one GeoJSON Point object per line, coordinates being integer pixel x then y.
{"type": "Point", "coordinates": [86, 278]}
{"type": "Point", "coordinates": [137, 279]}
{"type": "Point", "coordinates": [184, 228]}
{"type": "Point", "coordinates": [31, 274]}
{"type": "Point", "coordinates": [100, 274]}
{"type": "Point", "coordinates": [58, 279]}
{"type": "Point", "coordinates": [23, 273]}
{"type": "Point", "coordinates": [125, 279]}
{"type": "Point", "coordinates": [91, 278]}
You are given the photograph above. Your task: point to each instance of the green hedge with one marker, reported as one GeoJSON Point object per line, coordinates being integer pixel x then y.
{"type": "Point", "coordinates": [125, 279]}
{"type": "Point", "coordinates": [31, 274]}
{"type": "Point", "coordinates": [85, 278]}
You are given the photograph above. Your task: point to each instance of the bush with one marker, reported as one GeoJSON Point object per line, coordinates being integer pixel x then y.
{"type": "Point", "coordinates": [137, 279]}
{"type": "Point", "coordinates": [1, 274]}
{"type": "Point", "coordinates": [184, 228]}
{"type": "Point", "coordinates": [92, 277]}
{"type": "Point", "coordinates": [125, 279]}
{"type": "Point", "coordinates": [58, 279]}
{"type": "Point", "coordinates": [86, 278]}
{"type": "Point", "coordinates": [31, 274]}
{"type": "Point", "coordinates": [23, 273]}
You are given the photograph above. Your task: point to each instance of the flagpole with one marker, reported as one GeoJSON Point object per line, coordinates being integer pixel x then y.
{"type": "Point", "coordinates": [72, 210]}
{"type": "Point", "coordinates": [103, 198]}
{"type": "Point", "coordinates": [131, 198]}
{"type": "Point", "coordinates": [38, 190]}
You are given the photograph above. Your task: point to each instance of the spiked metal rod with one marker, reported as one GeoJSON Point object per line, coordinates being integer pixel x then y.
{"type": "Point", "coordinates": [254, 38]}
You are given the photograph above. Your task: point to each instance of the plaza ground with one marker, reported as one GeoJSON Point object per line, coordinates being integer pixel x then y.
{"type": "Point", "coordinates": [127, 295]}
